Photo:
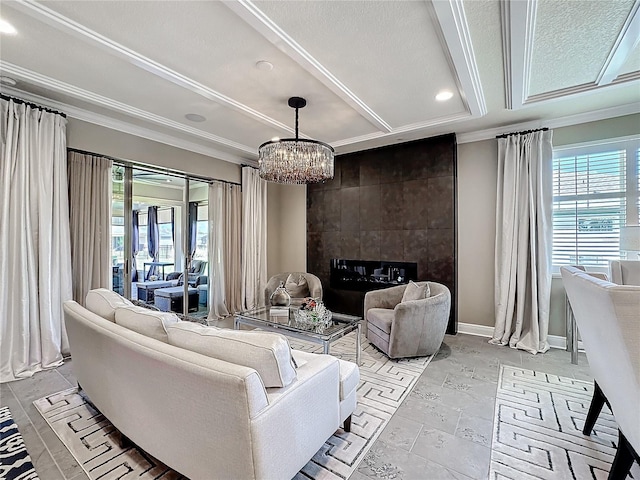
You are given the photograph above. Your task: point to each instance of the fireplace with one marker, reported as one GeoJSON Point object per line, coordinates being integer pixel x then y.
{"type": "Point", "coordinates": [365, 275]}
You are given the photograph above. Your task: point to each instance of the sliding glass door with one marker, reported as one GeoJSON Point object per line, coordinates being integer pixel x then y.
{"type": "Point", "coordinates": [117, 229]}
{"type": "Point", "coordinates": [199, 243]}
{"type": "Point", "coordinates": [160, 239]}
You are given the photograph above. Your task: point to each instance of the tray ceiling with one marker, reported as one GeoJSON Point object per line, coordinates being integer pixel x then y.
{"type": "Point", "coordinates": [370, 70]}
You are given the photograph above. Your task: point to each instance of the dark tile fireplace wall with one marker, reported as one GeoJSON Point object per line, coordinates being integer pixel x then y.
{"type": "Point", "coordinates": [393, 203]}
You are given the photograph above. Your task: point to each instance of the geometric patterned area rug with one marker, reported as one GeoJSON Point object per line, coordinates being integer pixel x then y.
{"type": "Point", "coordinates": [537, 429]}
{"type": "Point", "coordinates": [15, 462]}
{"type": "Point", "coordinates": [384, 384]}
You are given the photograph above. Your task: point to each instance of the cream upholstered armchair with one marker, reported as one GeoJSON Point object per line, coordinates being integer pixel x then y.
{"type": "Point", "coordinates": [608, 316]}
{"type": "Point", "coordinates": [411, 328]}
{"type": "Point", "coordinates": [300, 285]}
{"type": "Point", "coordinates": [624, 272]}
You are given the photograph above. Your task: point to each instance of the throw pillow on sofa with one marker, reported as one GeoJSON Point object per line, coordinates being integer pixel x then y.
{"type": "Point", "coordinates": [416, 292]}
{"type": "Point", "coordinates": [297, 286]}
{"type": "Point", "coordinates": [104, 302]}
{"type": "Point", "coordinates": [267, 353]}
{"type": "Point", "coordinates": [147, 322]}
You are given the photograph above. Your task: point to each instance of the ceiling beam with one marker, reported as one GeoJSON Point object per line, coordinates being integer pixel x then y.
{"type": "Point", "coordinates": [518, 21]}
{"type": "Point", "coordinates": [455, 36]}
{"type": "Point", "coordinates": [261, 23]}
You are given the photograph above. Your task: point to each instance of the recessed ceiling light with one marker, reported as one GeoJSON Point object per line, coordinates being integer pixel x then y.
{"type": "Point", "coordinates": [275, 139]}
{"type": "Point", "coordinates": [444, 95]}
{"type": "Point", "coordinates": [7, 81]}
{"type": "Point", "coordinates": [194, 117]}
{"type": "Point", "coordinates": [264, 65]}
{"type": "Point", "coordinates": [6, 27]}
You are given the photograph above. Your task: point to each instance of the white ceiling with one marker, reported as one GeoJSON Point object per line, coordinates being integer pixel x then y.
{"type": "Point", "coordinates": [369, 70]}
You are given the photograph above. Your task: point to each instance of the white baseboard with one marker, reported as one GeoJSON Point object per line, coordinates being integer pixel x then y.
{"type": "Point", "coordinates": [473, 329]}
{"type": "Point", "coordinates": [555, 341]}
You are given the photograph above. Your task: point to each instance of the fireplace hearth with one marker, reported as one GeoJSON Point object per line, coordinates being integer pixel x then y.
{"type": "Point", "coordinates": [366, 275]}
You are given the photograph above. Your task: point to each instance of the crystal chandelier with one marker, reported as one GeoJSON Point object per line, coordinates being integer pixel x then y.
{"type": "Point", "coordinates": [295, 160]}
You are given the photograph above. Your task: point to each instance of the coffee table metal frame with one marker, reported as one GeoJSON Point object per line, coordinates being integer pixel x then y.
{"type": "Point", "coordinates": [342, 324]}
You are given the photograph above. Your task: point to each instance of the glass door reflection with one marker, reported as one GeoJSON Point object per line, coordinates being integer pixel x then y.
{"type": "Point", "coordinates": [160, 222]}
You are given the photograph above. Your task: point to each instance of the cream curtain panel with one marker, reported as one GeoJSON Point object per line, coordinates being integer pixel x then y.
{"type": "Point", "coordinates": [225, 215]}
{"type": "Point", "coordinates": [233, 247]}
{"type": "Point", "coordinates": [35, 261]}
{"type": "Point", "coordinates": [89, 222]}
{"type": "Point", "coordinates": [217, 294]}
{"type": "Point", "coordinates": [254, 238]}
{"type": "Point", "coordinates": [523, 241]}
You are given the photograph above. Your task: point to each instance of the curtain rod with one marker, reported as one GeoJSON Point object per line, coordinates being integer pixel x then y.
{"type": "Point", "coordinates": [524, 132]}
{"type": "Point", "coordinates": [153, 169]}
{"type": "Point", "coordinates": [32, 105]}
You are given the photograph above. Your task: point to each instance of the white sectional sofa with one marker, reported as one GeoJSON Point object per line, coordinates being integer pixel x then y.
{"type": "Point", "coordinates": [223, 404]}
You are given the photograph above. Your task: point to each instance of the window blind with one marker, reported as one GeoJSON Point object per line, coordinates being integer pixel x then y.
{"type": "Point", "coordinates": [595, 192]}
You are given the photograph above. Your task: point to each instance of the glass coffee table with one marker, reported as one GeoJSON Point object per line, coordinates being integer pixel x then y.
{"type": "Point", "coordinates": [341, 324]}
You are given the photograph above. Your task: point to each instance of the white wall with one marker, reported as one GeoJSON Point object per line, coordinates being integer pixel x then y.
{"type": "Point", "coordinates": [287, 228]}
{"type": "Point", "coordinates": [93, 138]}
{"type": "Point", "coordinates": [477, 177]}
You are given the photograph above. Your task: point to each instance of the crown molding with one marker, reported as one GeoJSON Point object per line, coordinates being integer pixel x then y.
{"type": "Point", "coordinates": [594, 116]}
{"type": "Point", "coordinates": [414, 127]}
{"type": "Point", "coordinates": [93, 98]}
{"type": "Point", "coordinates": [454, 34]}
{"type": "Point", "coordinates": [625, 44]}
{"type": "Point", "coordinates": [46, 15]}
{"type": "Point", "coordinates": [261, 23]}
{"type": "Point", "coordinates": [125, 127]}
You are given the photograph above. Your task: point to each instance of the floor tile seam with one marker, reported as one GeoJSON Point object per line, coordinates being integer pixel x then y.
{"type": "Point", "coordinates": [53, 458]}
{"type": "Point", "coordinates": [483, 382]}
{"type": "Point", "coordinates": [35, 429]}
{"type": "Point", "coordinates": [456, 428]}
{"type": "Point", "coordinates": [457, 423]}
{"type": "Point", "coordinates": [65, 378]}
{"type": "Point", "coordinates": [81, 475]}
{"type": "Point", "coordinates": [416, 439]}
{"type": "Point", "coordinates": [447, 467]}
{"type": "Point", "coordinates": [13, 394]}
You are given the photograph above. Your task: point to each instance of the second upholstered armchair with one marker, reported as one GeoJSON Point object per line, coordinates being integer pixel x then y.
{"type": "Point", "coordinates": [409, 328]}
{"type": "Point", "coordinates": [299, 285]}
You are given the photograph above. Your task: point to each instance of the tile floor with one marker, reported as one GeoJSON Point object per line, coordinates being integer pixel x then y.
{"type": "Point", "coordinates": [441, 431]}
